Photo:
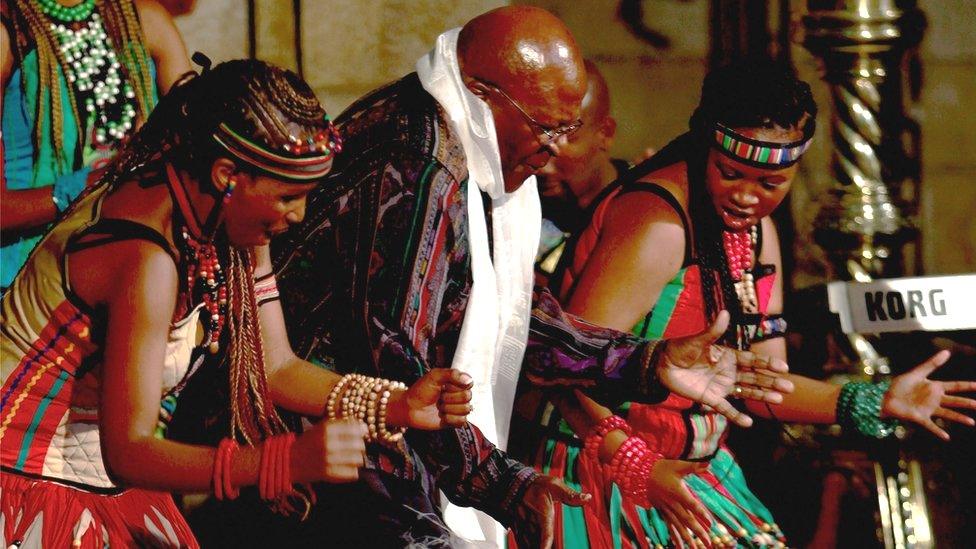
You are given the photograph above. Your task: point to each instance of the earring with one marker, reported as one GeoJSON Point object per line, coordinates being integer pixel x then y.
{"type": "Point", "coordinates": [231, 183]}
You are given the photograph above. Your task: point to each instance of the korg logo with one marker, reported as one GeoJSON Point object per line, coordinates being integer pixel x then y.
{"type": "Point", "coordinates": [898, 305]}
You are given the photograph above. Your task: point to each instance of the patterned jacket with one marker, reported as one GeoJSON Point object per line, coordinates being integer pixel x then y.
{"type": "Point", "coordinates": [376, 280]}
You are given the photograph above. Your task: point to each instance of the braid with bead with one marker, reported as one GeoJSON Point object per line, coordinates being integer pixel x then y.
{"type": "Point", "coordinates": [253, 416]}
{"type": "Point", "coordinates": [123, 28]}
{"type": "Point", "coordinates": [50, 63]}
{"type": "Point", "coordinates": [251, 96]}
{"type": "Point", "coordinates": [718, 287]}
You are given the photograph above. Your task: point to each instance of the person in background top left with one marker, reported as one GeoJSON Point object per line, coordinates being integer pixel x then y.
{"type": "Point", "coordinates": [78, 77]}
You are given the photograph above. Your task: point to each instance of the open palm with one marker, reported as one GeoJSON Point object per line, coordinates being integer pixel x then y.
{"type": "Point", "coordinates": [913, 397]}
{"type": "Point", "coordinates": [695, 368]}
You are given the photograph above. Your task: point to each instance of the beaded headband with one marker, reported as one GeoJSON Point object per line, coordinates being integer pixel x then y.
{"type": "Point", "coordinates": [763, 154]}
{"type": "Point", "coordinates": [299, 160]}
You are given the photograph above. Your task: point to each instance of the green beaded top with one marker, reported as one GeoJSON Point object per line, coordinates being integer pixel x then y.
{"type": "Point", "coordinates": [67, 14]}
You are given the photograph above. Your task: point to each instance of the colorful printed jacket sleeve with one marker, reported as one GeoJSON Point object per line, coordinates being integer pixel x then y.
{"type": "Point", "coordinates": [564, 350]}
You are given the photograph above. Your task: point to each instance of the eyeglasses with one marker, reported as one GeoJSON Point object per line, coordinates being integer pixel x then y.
{"type": "Point", "coordinates": [551, 134]}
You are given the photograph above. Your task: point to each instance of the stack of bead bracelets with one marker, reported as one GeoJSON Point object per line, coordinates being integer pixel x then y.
{"type": "Point", "coordinates": [593, 439]}
{"type": "Point", "coordinates": [630, 468]}
{"type": "Point", "coordinates": [859, 407]}
{"type": "Point", "coordinates": [365, 398]}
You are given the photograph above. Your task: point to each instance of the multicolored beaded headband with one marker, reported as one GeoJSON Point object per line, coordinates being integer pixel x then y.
{"type": "Point", "coordinates": [763, 154]}
{"type": "Point", "coordinates": [302, 161]}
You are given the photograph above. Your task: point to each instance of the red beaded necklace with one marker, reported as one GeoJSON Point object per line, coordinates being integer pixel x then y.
{"type": "Point", "coordinates": [204, 276]}
{"type": "Point", "coordinates": [739, 253]}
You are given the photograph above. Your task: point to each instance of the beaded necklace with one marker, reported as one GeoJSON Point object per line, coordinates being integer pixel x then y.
{"type": "Point", "coordinates": [739, 251]}
{"type": "Point", "coordinates": [205, 276]}
{"type": "Point", "coordinates": [93, 68]}
{"type": "Point", "coordinates": [52, 8]}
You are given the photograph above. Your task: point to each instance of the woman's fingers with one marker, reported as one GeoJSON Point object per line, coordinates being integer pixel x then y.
{"type": "Point", "coordinates": [723, 407]}
{"type": "Point", "coordinates": [701, 514]}
{"type": "Point", "coordinates": [761, 379]}
{"type": "Point", "coordinates": [456, 409]}
{"type": "Point", "coordinates": [930, 365]}
{"type": "Point", "coordinates": [680, 534]}
{"type": "Point", "coordinates": [749, 361]}
{"type": "Point", "coordinates": [691, 521]}
{"type": "Point", "coordinates": [758, 395]}
{"type": "Point", "coordinates": [959, 386]}
{"type": "Point", "coordinates": [952, 415]}
{"type": "Point", "coordinates": [934, 429]}
{"type": "Point", "coordinates": [958, 402]}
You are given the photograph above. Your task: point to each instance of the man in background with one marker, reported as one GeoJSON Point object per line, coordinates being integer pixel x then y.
{"type": "Point", "coordinates": [570, 181]}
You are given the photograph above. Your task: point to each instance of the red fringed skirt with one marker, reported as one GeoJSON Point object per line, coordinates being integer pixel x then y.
{"type": "Point", "coordinates": [42, 513]}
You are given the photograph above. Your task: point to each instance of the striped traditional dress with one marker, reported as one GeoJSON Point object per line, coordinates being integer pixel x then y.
{"type": "Point", "coordinates": [677, 427]}
{"type": "Point", "coordinates": [54, 486]}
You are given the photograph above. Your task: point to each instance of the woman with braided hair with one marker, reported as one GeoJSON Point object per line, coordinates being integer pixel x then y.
{"type": "Point", "coordinates": [78, 76]}
{"type": "Point", "coordinates": [156, 273]}
{"type": "Point", "coordinates": [668, 248]}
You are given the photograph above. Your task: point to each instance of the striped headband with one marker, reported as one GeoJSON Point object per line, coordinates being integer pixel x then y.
{"type": "Point", "coordinates": [763, 154]}
{"type": "Point", "coordinates": [305, 161]}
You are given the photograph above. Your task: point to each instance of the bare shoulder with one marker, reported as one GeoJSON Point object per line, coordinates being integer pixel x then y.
{"type": "Point", "coordinates": [645, 209]}
{"type": "Point", "coordinates": [151, 10]}
{"type": "Point", "coordinates": [650, 224]}
{"type": "Point", "coordinates": [770, 252]}
{"type": "Point", "coordinates": [132, 270]}
{"type": "Point", "coordinates": [156, 23]}
{"type": "Point", "coordinates": [674, 179]}
{"type": "Point", "coordinates": [6, 56]}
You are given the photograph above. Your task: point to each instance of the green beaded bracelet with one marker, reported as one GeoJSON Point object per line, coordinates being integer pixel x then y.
{"type": "Point", "coordinates": [859, 407]}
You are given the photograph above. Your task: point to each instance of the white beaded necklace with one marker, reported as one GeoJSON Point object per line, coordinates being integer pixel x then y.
{"type": "Point", "coordinates": [95, 72]}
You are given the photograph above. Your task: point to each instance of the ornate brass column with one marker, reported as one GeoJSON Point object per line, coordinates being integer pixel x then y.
{"type": "Point", "coordinates": [864, 222]}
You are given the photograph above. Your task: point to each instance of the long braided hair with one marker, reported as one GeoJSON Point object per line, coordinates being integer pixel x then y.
{"type": "Point", "coordinates": [30, 27]}
{"type": "Point", "coordinates": [271, 106]}
{"type": "Point", "coordinates": [747, 94]}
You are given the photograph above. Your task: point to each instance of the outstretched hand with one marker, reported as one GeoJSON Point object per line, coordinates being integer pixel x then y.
{"type": "Point", "coordinates": [442, 398]}
{"type": "Point", "coordinates": [685, 514]}
{"type": "Point", "coordinates": [535, 515]}
{"type": "Point", "coordinates": [695, 368]}
{"type": "Point", "coordinates": [913, 397]}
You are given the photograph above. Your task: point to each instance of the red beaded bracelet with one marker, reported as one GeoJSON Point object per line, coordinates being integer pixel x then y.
{"type": "Point", "coordinates": [222, 481]}
{"type": "Point", "coordinates": [263, 488]}
{"type": "Point", "coordinates": [285, 487]}
{"type": "Point", "coordinates": [630, 468]}
{"type": "Point", "coordinates": [274, 476]}
{"type": "Point", "coordinates": [593, 439]}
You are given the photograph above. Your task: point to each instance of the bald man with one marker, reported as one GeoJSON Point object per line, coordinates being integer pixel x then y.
{"type": "Point", "coordinates": [390, 275]}
{"type": "Point", "coordinates": [584, 167]}
{"type": "Point", "coordinates": [417, 253]}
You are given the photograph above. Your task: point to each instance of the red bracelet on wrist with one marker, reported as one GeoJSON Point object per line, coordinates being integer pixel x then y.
{"type": "Point", "coordinates": [286, 483]}
{"type": "Point", "coordinates": [274, 476]}
{"type": "Point", "coordinates": [216, 481]}
{"type": "Point", "coordinates": [593, 439]}
{"type": "Point", "coordinates": [222, 481]}
{"type": "Point", "coordinates": [630, 468]}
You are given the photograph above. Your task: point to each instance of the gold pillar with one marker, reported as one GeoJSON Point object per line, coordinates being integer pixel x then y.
{"type": "Point", "coordinates": [864, 222]}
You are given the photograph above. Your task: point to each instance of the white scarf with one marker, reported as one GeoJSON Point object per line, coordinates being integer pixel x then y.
{"type": "Point", "coordinates": [496, 321]}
